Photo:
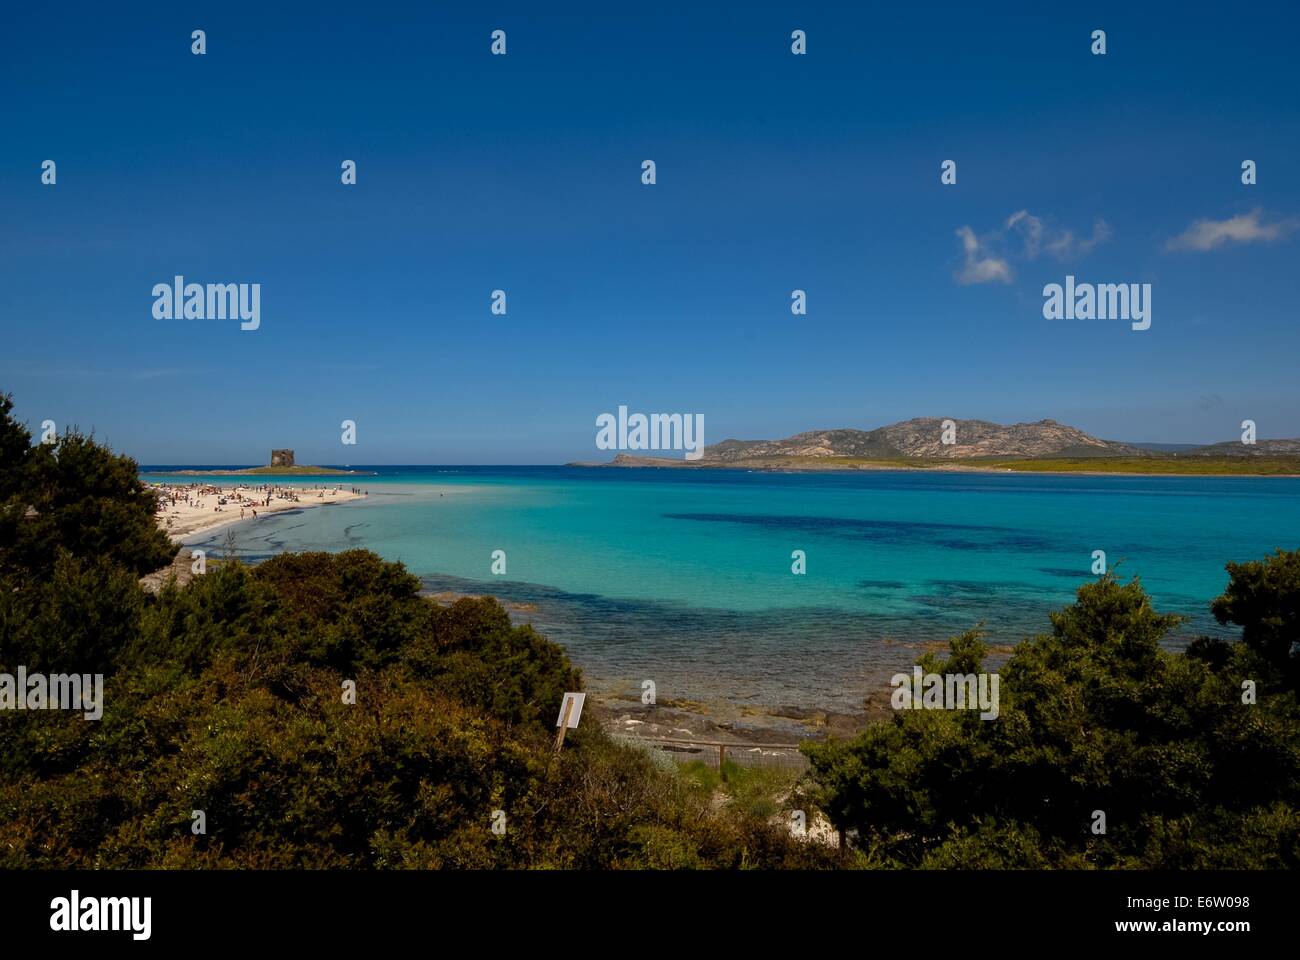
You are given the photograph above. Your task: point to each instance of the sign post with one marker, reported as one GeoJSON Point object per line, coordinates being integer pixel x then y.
{"type": "Point", "coordinates": [570, 712]}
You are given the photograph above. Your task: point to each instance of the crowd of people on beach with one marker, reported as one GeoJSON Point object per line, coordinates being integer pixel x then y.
{"type": "Point", "coordinates": [246, 498]}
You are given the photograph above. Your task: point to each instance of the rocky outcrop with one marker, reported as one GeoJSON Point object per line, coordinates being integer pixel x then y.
{"type": "Point", "coordinates": [182, 566]}
{"type": "Point", "coordinates": [924, 437]}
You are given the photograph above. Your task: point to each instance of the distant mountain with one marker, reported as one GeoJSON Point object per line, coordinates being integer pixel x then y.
{"type": "Point", "coordinates": [1260, 448]}
{"type": "Point", "coordinates": [923, 437]}
{"type": "Point", "coordinates": [980, 445]}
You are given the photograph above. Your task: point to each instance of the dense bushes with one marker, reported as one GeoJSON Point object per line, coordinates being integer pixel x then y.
{"type": "Point", "coordinates": [1095, 716]}
{"type": "Point", "coordinates": [1263, 598]}
{"type": "Point", "coordinates": [228, 699]}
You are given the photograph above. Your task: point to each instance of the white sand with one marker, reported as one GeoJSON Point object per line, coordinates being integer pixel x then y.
{"type": "Point", "coordinates": [191, 508]}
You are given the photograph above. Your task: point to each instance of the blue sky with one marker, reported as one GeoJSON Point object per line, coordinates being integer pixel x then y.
{"type": "Point", "coordinates": [522, 172]}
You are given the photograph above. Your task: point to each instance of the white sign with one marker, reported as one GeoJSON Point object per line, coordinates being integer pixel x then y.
{"type": "Point", "coordinates": [575, 711]}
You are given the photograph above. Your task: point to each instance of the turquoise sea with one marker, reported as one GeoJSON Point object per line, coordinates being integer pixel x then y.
{"type": "Point", "coordinates": [684, 577]}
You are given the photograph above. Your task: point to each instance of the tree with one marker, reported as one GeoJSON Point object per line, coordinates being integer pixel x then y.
{"type": "Point", "coordinates": [86, 500]}
{"type": "Point", "coordinates": [1263, 598]}
{"type": "Point", "coordinates": [15, 443]}
{"type": "Point", "coordinates": [1094, 716]}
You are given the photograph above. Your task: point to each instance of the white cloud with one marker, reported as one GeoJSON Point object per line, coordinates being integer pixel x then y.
{"type": "Point", "coordinates": [1032, 228]}
{"type": "Point", "coordinates": [1062, 244]}
{"type": "Point", "coordinates": [1243, 228]}
{"type": "Point", "coordinates": [987, 263]}
{"type": "Point", "coordinates": [980, 266]}
{"type": "Point", "coordinates": [1066, 245]}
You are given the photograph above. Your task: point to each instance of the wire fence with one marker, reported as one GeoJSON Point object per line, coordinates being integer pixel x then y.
{"type": "Point", "coordinates": [717, 752]}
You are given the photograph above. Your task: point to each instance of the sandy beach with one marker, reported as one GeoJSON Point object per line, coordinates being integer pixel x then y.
{"type": "Point", "coordinates": [185, 509]}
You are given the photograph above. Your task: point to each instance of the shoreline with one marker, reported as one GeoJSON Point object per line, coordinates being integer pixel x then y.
{"type": "Point", "coordinates": [755, 467]}
{"type": "Point", "coordinates": [672, 719]}
{"type": "Point", "coordinates": [307, 472]}
{"type": "Point", "coordinates": [190, 510]}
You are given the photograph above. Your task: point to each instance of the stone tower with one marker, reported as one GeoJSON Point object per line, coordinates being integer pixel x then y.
{"type": "Point", "coordinates": [282, 458]}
